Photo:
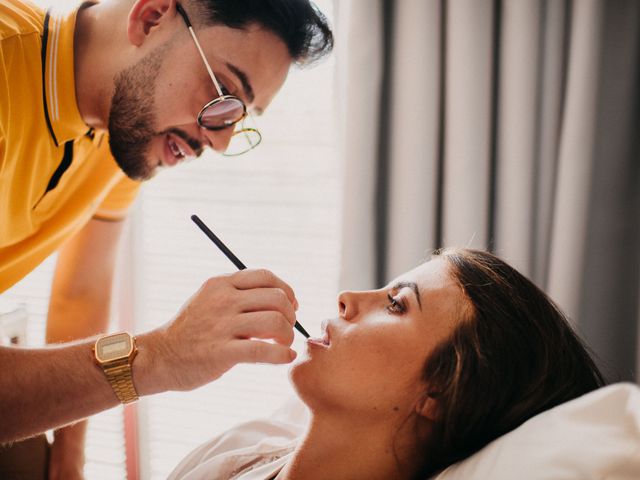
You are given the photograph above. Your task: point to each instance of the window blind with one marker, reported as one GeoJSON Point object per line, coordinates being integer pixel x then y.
{"type": "Point", "coordinates": [105, 449]}
{"type": "Point", "coordinates": [276, 207]}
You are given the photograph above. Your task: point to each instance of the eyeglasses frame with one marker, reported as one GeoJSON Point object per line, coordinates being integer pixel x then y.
{"type": "Point", "coordinates": [221, 97]}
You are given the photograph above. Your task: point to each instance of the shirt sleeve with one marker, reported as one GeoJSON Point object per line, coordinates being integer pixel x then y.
{"type": "Point", "coordinates": [118, 201]}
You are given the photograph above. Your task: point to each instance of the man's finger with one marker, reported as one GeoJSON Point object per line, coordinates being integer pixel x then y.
{"type": "Point", "coordinates": [267, 299]}
{"type": "Point", "coordinates": [261, 278]}
{"type": "Point", "coordinates": [257, 351]}
{"type": "Point", "coordinates": [265, 325]}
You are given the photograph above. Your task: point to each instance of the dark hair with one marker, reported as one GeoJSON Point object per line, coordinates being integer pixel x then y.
{"type": "Point", "coordinates": [512, 356]}
{"type": "Point", "coordinates": [298, 23]}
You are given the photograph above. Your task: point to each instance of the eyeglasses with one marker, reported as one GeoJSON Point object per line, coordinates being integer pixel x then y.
{"type": "Point", "coordinates": [225, 111]}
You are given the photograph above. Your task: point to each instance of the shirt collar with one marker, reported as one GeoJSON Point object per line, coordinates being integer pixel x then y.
{"type": "Point", "coordinates": [61, 105]}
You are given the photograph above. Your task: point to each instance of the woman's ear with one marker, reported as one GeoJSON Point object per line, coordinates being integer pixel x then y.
{"type": "Point", "coordinates": [427, 407]}
{"type": "Point", "coordinates": [145, 15]}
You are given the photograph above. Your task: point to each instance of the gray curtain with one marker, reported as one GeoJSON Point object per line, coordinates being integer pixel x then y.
{"type": "Point", "coordinates": [510, 125]}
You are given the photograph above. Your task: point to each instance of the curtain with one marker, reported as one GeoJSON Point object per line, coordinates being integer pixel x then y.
{"type": "Point", "coordinates": [505, 125]}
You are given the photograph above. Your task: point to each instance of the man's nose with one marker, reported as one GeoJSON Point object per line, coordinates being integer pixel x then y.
{"type": "Point", "coordinates": [219, 139]}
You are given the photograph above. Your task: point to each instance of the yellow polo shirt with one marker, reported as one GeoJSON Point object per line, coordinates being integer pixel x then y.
{"type": "Point", "coordinates": [55, 172]}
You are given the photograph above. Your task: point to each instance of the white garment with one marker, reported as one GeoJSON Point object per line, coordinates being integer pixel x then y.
{"type": "Point", "coordinates": [255, 450]}
{"type": "Point", "coordinates": [594, 437]}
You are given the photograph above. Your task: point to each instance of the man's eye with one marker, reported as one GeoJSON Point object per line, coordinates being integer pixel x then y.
{"type": "Point", "coordinates": [395, 306]}
{"type": "Point", "coordinates": [225, 90]}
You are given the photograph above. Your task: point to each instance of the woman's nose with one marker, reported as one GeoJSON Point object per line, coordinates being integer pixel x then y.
{"type": "Point", "coordinates": [219, 139]}
{"type": "Point", "coordinates": [347, 305]}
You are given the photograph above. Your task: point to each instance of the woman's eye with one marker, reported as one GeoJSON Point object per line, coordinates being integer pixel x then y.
{"type": "Point", "coordinates": [395, 306]}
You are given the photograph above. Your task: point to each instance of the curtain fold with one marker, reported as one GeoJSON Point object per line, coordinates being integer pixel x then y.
{"type": "Point", "coordinates": [414, 132]}
{"type": "Point", "coordinates": [509, 125]}
{"type": "Point", "coordinates": [519, 117]}
{"type": "Point", "coordinates": [575, 158]}
{"type": "Point", "coordinates": [468, 117]}
{"type": "Point", "coordinates": [359, 79]}
{"type": "Point", "coordinates": [609, 273]}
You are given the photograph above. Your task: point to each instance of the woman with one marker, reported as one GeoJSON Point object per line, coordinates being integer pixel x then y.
{"type": "Point", "coordinates": [420, 374]}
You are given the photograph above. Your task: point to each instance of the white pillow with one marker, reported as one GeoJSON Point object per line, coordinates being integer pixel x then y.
{"type": "Point", "coordinates": [594, 437]}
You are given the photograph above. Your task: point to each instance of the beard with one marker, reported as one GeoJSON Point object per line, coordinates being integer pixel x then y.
{"type": "Point", "coordinates": [133, 115]}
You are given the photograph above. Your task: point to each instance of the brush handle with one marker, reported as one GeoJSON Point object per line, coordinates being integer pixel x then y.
{"type": "Point", "coordinates": [235, 260]}
{"type": "Point", "coordinates": [212, 236]}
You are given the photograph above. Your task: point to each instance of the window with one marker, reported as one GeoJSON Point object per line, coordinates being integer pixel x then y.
{"type": "Point", "coordinates": [105, 450]}
{"type": "Point", "coordinates": [276, 207]}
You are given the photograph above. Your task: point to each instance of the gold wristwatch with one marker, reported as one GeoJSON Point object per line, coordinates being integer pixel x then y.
{"type": "Point", "coordinates": [115, 354]}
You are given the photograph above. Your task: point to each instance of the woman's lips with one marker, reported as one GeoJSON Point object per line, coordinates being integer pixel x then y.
{"type": "Point", "coordinates": [324, 341]}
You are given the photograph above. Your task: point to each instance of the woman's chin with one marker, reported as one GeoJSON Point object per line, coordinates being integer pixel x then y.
{"type": "Point", "coordinates": [304, 378]}
{"type": "Point", "coordinates": [296, 372]}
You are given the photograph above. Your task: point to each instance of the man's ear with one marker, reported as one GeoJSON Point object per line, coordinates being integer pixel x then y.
{"type": "Point", "coordinates": [145, 15]}
{"type": "Point", "coordinates": [427, 408]}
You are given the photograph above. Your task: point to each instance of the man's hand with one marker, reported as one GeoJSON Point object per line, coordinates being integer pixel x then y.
{"type": "Point", "coordinates": [246, 317]}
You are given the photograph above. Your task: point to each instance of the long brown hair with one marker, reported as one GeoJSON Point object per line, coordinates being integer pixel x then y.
{"type": "Point", "coordinates": [513, 356]}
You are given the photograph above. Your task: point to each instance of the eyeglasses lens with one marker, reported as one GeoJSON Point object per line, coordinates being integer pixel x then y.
{"type": "Point", "coordinates": [222, 114]}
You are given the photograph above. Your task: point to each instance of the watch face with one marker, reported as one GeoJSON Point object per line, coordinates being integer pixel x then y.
{"type": "Point", "coordinates": [113, 347]}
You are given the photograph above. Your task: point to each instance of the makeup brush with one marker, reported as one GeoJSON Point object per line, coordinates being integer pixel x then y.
{"type": "Point", "coordinates": [235, 260]}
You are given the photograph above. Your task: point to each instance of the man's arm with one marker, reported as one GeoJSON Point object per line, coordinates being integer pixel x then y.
{"type": "Point", "coordinates": [49, 387]}
{"type": "Point", "coordinates": [79, 308]}
{"type": "Point", "coordinates": [221, 325]}
{"type": "Point", "coordinates": [44, 388]}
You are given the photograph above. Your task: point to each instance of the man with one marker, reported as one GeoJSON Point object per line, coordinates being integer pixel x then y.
{"type": "Point", "coordinates": [91, 103]}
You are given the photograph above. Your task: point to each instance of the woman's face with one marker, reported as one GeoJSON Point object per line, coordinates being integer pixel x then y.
{"type": "Point", "coordinates": [374, 351]}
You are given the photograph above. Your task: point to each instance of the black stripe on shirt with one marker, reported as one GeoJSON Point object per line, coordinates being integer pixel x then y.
{"type": "Point", "coordinates": [45, 38]}
{"type": "Point", "coordinates": [64, 165]}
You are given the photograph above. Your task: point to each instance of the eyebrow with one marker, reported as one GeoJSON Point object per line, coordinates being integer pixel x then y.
{"type": "Point", "coordinates": [244, 79]}
{"type": "Point", "coordinates": [413, 286]}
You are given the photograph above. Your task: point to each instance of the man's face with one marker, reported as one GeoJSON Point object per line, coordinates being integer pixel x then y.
{"type": "Point", "coordinates": [154, 109]}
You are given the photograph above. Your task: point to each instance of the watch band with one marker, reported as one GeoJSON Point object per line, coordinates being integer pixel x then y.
{"type": "Point", "coordinates": [114, 355]}
{"type": "Point", "coordinates": [121, 381]}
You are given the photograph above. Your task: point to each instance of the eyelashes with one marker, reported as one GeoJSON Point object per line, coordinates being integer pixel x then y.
{"type": "Point", "coordinates": [222, 82]}
{"type": "Point", "coordinates": [225, 90]}
{"type": "Point", "coordinates": [395, 306]}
